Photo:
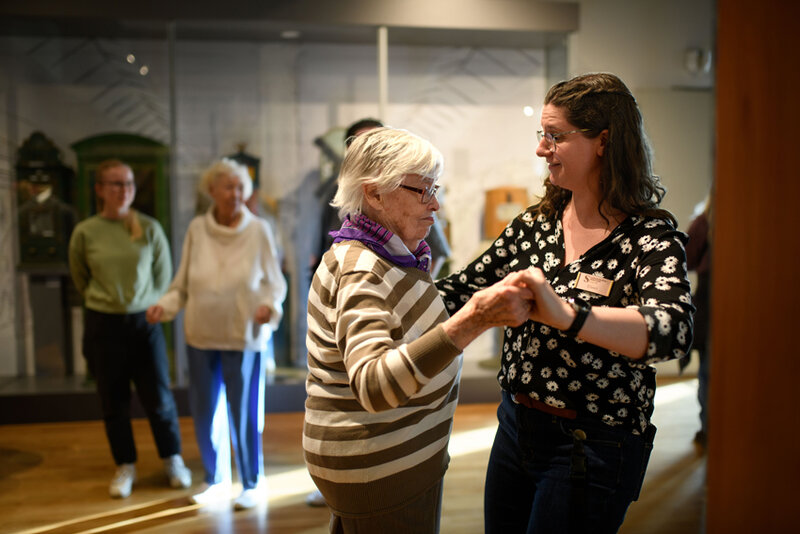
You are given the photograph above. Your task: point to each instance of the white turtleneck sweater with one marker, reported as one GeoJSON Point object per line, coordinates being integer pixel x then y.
{"type": "Point", "coordinates": [225, 274]}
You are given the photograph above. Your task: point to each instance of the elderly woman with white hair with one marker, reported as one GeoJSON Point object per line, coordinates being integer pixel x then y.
{"type": "Point", "coordinates": [383, 355]}
{"type": "Point", "coordinates": [230, 283]}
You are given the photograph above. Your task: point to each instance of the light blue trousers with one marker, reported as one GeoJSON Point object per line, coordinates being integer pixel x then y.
{"type": "Point", "coordinates": [228, 386]}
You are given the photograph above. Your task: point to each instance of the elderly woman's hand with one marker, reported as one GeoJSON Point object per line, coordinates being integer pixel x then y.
{"type": "Point", "coordinates": [263, 315]}
{"type": "Point", "coordinates": [506, 303]}
{"type": "Point", "coordinates": [154, 314]}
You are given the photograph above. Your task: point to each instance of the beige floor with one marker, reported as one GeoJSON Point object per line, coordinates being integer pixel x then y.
{"type": "Point", "coordinates": [53, 478]}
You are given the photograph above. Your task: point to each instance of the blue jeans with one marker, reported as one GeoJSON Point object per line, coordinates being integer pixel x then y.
{"type": "Point", "coordinates": [228, 385]}
{"type": "Point", "coordinates": [543, 479]}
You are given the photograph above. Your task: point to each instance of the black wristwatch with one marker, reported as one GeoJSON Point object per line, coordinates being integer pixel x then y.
{"type": "Point", "coordinates": [582, 309]}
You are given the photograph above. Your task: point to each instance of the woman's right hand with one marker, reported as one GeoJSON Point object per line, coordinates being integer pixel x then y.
{"type": "Point", "coordinates": [154, 313]}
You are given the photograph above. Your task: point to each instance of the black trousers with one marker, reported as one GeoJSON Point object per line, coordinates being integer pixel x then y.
{"type": "Point", "coordinates": [124, 348]}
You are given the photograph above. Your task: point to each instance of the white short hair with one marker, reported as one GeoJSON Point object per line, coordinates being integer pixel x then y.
{"type": "Point", "coordinates": [383, 157]}
{"type": "Point", "coordinates": [226, 167]}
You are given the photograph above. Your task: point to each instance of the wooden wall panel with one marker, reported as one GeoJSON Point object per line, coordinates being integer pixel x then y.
{"type": "Point", "coordinates": [753, 462]}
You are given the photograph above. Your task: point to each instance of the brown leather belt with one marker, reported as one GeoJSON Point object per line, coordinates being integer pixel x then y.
{"type": "Point", "coordinates": [525, 400]}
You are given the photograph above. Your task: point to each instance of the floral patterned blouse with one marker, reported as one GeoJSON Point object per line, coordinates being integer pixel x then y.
{"type": "Point", "coordinates": [645, 261]}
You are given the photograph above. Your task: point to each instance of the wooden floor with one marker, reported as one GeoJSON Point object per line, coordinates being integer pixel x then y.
{"type": "Point", "coordinates": [54, 479]}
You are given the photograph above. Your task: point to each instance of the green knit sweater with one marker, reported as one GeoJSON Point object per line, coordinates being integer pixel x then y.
{"type": "Point", "coordinates": [114, 273]}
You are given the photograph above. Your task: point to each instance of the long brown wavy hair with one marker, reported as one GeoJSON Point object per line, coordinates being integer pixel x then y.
{"type": "Point", "coordinates": [597, 102]}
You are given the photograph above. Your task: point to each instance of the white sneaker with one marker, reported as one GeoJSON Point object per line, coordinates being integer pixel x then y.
{"type": "Point", "coordinates": [123, 480]}
{"type": "Point", "coordinates": [316, 499]}
{"type": "Point", "coordinates": [178, 474]}
{"type": "Point", "coordinates": [212, 493]}
{"type": "Point", "coordinates": [249, 498]}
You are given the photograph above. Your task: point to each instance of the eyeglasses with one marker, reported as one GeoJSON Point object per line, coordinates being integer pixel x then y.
{"type": "Point", "coordinates": [128, 184]}
{"type": "Point", "coordinates": [552, 138]}
{"type": "Point", "coordinates": [427, 192]}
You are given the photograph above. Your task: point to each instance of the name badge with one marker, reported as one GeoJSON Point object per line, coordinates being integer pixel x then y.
{"type": "Point", "coordinates": [594, 284]}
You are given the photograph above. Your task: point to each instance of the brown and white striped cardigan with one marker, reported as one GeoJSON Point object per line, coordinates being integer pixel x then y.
{"type": "Point", "coordinates": [382, 383]}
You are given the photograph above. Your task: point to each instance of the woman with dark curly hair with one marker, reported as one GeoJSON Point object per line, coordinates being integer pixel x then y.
{"type": "Point", "coordinates": [611, 297]}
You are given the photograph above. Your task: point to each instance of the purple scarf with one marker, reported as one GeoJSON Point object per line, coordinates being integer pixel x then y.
{"type": "Point", "coordinates": [383, 242]}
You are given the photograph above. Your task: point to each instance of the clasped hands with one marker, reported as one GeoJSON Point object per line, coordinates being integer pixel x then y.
{"type": "Point", "coordinates": [521, 296]}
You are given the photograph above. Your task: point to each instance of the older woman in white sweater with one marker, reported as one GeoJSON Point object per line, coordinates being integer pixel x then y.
{"type": "Point", "coordinates": [231, 285]}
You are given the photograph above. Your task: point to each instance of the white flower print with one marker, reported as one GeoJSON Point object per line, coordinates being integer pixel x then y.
{"type": "Point", "coordinates": [552, 386]}
{"type": "Point", "coordinates": [561, 372]}
{"type": "Point", "coordinates": [525, 245]}
{"type": "Point", "coordinates": [596, 264]}
{"type": "Point", "coordinates": [681, 335]}
{"type": "Point", "coordinates": [627, 289]}
{"type": "Point", "coordinates": [527, 366]}
{"type": "Point", "coordinates": [568, 359]}
{"type": "Point", "coordinates": [462, 278]}
{"type": "Point", "coordinates": [463, 298]}
{"type": "Point", "coordinates": [574, 385]}
{"type": "Point", "coordinates": [552, 401]}
{"type": "Point", "coordinates": [501, 252]}
{"type": "Point", "coordinates": [479, 267]}
{"type": "Point", "coordinates": [597, 364]}
{"type": "Point", "coordinates": [575, 267]}
{"type": "Point", "coordinates": [552, 239]}
{"type": "Point", "coordinates": [480, 280]}
{"type": "Point", "coordinates": [512, 371]}
{"type": "Point", "coordinates": [662, 283]}
{"type": "Point", "coordinates": [486, 259]}
{"type": "Point", "coordinates": [545, 226]}
{"type": "Point", "coordinates": [542, 244]}
{"type": "Point", "coordinates": [509, 232]}
{"type": "Point", "coordinates": [592, 407]}
{"type": "Point", "coordinates": [621, 396]}
{"type": "Point", "coordinates": [643, 271]}
{"type": "Point", "coordinates": [663, 245]}
{"type": "Point", "coordinates": [602, 383]}
{"type": "Point", "coordinates": [617, 370]}
{"type": "Point", "coordinates": [552, 343]}
{"type": "Point", "coordinates": [612, 264]}
{"type": "Point", "coordinates": [512, 249]}
{"type": "Point", "coordinates": [534, 260]}
{"type": "Point", "coordinates": [592, 376]}
{"type": "Point", "coordinates": [622, 413]}
{"type": "Point", "coordinates": [499, 242]}
{"type": "Point", "coordinates": [545, 330]}
{"type": "Point", "coordinates": [626, 246]}
{"type": "Point", "coordinates": [664, 326]}
{"type": "Point", "coordinates": [526, 378]}
{"type": "Point", "coordinates": [561, 289]}
{"type": "Point", "coordinates": [546, 372]}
